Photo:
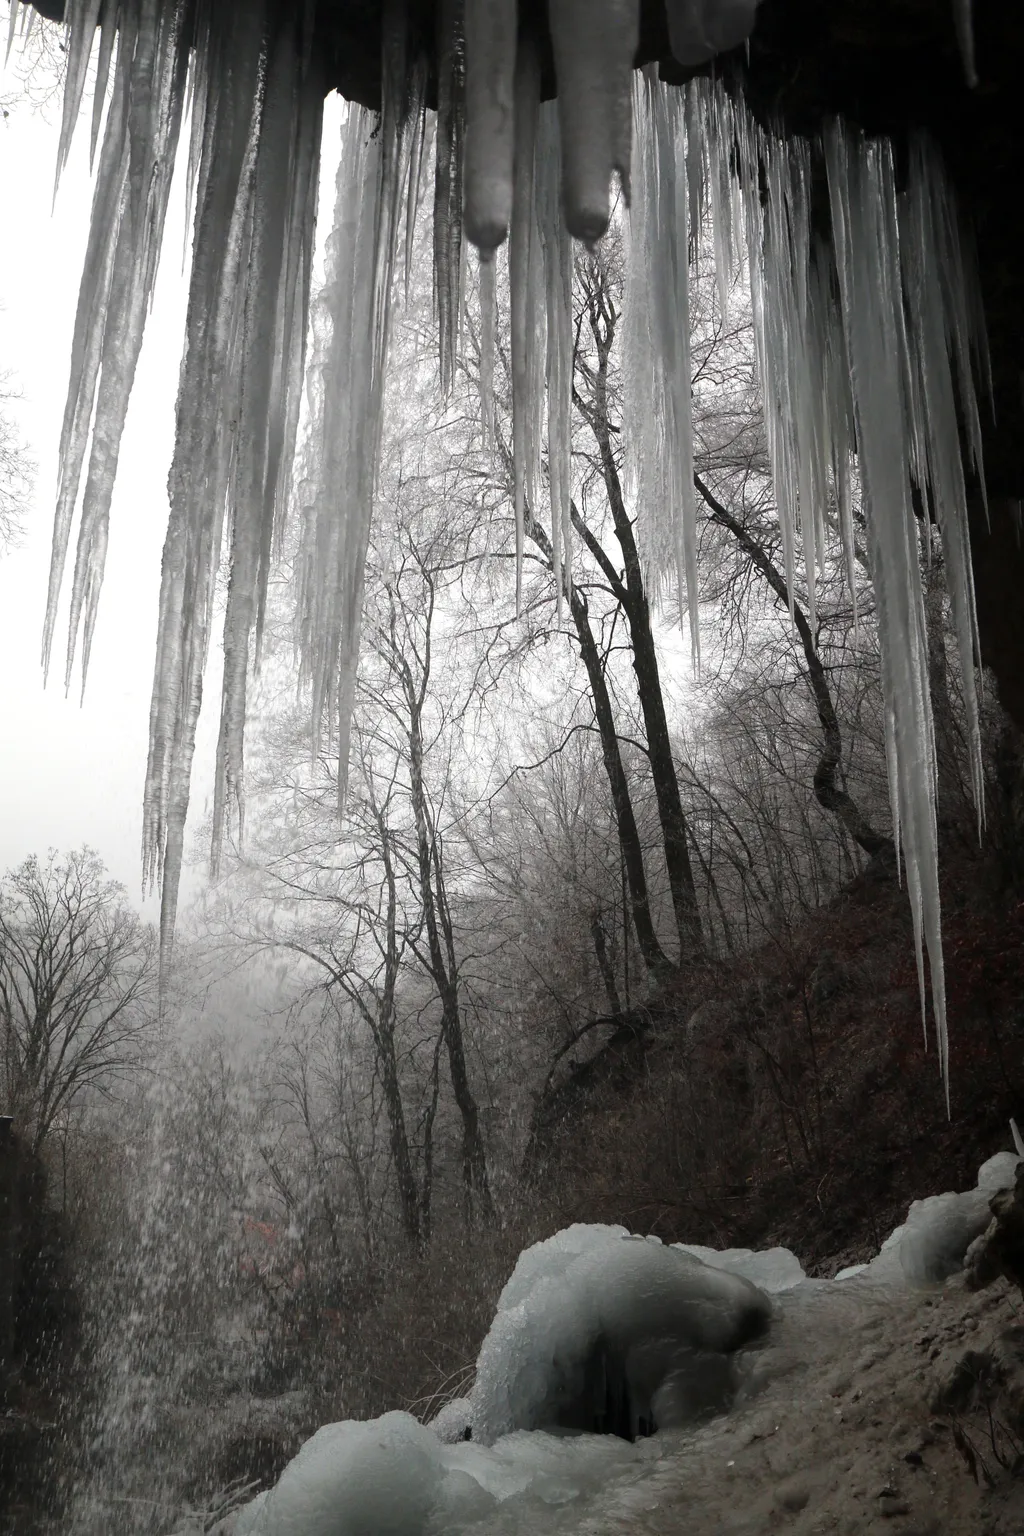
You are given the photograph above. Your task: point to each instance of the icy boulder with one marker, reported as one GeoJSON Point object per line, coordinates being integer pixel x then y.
{"type": "Point", "coordinates": [379, 1478]}
{"type": "Point", "coordinates": [597, 1330]}
{"type": "Point", "coordinates": [931, 1244]}
{"type": "Point", "coordinates": [999, 1172]}
{"type": "Point", "coordinates": [454, 1421]}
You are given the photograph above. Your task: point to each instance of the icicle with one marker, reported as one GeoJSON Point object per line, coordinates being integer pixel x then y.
{"type": "Point", "coordinates": [558, 290]}
{"type": "Point", "coordinates": [487, 305]}
{"type": "Point", "coordinates": [698, 29]}
{"type": "Point", "coordinates": [11, 28]}
{"type": "Point", "coordinates": [931, 344]}
{"type": "Point", "coordinates": [448, 188]}
{"type": "Point", "coordinates": [964, 21]}
{"type": "Point", "coordinates": [887, 371]}
{"type": "Point", "coordinates": [108, 34]}
{"type": "Point", "coordinates": [490, 27]}
{"type": "Point", "coordinates": [594, 43]}
{"type": "Point", "coordinates": [526, 312]}
{"type": "Point", "coordinates": [861, 187]}
{"type": "Point", "coordinates": [154, 63]}
{"type": "Point", "coordinates": [80, 19]}
{"type": "Point", "coordinates": [337, 482]}
{"type": "Point", "coordinates": [269, 367]}
{"type": "Point", "coordinates": [659, 427]}
{"type": "Point", "coordinates": [129, 206]}
{"type": "Point", "coordinates": [254, 212]}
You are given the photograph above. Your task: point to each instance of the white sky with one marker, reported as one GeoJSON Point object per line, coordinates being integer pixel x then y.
{"type": "Point", "coordinates": [71, 772]}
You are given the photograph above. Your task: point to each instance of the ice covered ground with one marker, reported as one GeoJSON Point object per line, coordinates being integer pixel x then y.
{"type": "Point", "coordinates": [776, 1401]}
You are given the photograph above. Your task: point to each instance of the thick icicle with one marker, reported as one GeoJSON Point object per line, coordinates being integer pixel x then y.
{"type": "Point", "coordinates": [487, 307]}
{"type": "Point", "coordinates": [336, 485]}
{"type": "Point", "coordinates": [963, 16]}
{"type": "Point", "coordinates": [698, 29]}
{"type": "Point", "coordinates": [861, 186]}
{"type": "Point", "coordinates": [256, 189]}
{"type": "Point", "coordinates": [81, 18]}
{"type": "Point", "coordinates": [447, 187]}
{"type": "Point", "coordinates": [594, 43]}
{"type": "Point", "coordinates": [871, 360]}
{"type": "Point", "coordinates": [153, 63]}
{"type": "Point", "coordinates": [526, 297]}
{"type": "Point", "coordinates": [490, 27]}
{"type": "Point", "coordinates": [269, 360]}
{"type": "Point", "coordinates": [659, 424]}
{"type": "Point", "coordinates": [933, 341]}
{"type": "Point", "coordinates": [558, 294]}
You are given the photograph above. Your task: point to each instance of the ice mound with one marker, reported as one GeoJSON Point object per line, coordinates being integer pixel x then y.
{"type": "Point", "coordinates": [393, 1477]}
{"type": "Point", "coordinates": [930, 1245]}
{"type": "Point", "coordinates": [594, 1326]}
{"type": "Point", "coordinates": [378, 1478]}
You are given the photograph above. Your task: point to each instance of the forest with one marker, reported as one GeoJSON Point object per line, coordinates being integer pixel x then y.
{"type": "Point", "coordinates": [587, 906]}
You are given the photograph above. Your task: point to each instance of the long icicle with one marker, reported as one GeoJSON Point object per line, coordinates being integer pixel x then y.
{"type": "Point", "coordinates": [233, 407]}
{"type": "Point", "coordinates": [523, 262]}
{"type": "Point", "coordinates": [557, 252]}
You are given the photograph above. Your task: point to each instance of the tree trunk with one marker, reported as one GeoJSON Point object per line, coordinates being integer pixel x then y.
{"type": "Point", "coordinates": [604, 962]}
{"type": "Point", "coordinates": [382, 1026]}
{"type": "Point", "coordinates": [828, 791]}
{"type": "Point", "coordinates": [632, 595]}
{"type": "Point", "coordinates": [442, 965]}
{"type": "Point", "coordinates": [659, 967]}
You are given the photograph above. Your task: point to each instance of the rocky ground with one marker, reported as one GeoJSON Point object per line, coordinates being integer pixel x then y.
{"type": "Point", "coordinates": [876, 1416]}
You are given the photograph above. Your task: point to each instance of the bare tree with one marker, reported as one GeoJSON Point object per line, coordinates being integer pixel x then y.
{"type": "Point", "coordinates": [76, 986]}
{"type": "Point", "coordinates": [830, 793]}
{"type": "Point", "coordinates": [16, 471]}
{"type": "Point", "coordinates": [599, 317]}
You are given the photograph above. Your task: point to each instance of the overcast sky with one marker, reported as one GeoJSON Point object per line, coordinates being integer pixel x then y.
{"type": "Point", "coordinates": [73, 772]}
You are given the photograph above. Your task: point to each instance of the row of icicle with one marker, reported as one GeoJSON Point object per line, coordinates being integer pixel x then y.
{"type": "Point", "coordinates": [866, 349]}
{"type": "Point", "coordinates": [867, 352]}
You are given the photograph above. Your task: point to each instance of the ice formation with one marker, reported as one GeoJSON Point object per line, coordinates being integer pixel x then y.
{"type": "Point", "coordinates": [867, 347]}
{"type": "Point", "coordinates": [337, 470]}
{"type": "Point", "coordinates": [357, 1479]}
{"type": "Point", "coordinates": [393, 1477]}
{"type": "Point", "coordinates": [595, 1329]}
{"type": "Point", "coordinates": [867, 350]}
{"type": "Point", "coordinates": [675, 1317]}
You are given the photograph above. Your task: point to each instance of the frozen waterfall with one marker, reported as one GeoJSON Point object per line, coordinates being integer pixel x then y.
{"type": "Point", "coordinates": [868, 344]}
